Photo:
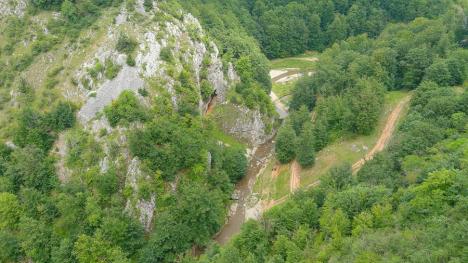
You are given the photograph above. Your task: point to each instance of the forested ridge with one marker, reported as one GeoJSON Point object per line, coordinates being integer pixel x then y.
{"type": "Point", "coordinates": [408, 204]}
{"type": "Point", "coordinates": [284, 28]}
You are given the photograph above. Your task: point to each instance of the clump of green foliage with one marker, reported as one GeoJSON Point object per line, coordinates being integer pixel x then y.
{"type": "Point", "coordinates": [111, 69]}
{"type": "Point", "coordinates": [40, 129]}
{"type": "Point", "coordinates": [125, 109]}
{"type": "Point", "coordinates": [127, 45]}
{"type": "Point", "coordinates": [166, 54]}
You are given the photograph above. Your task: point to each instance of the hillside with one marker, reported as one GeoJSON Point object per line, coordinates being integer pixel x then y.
{"type": "Point", "coordinates": [225, 131]}
{"type": "Point", "coordinates": [104, 138]}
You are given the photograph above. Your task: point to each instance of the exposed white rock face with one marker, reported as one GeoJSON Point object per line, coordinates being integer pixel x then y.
{"type": "Point", "coordinates": [139, 7]}
{"type": "Point", "coordinates": [143, 209]}
{"type": "Point", "coordinates": [127, 79]}
{"type": "Point", "coordinates": [148, 61]}
{"type": "Point", "coordinates": [184, 40]}
{"type": "Point", "coordinates": [216, 75]}
{"type": "Point", "coordinates": [245, 124]}
{"type": "Point", "coordinates": [232, 74]}
{"type": "Point", "coordinates": [12, 7]}
{"type": "Point", "coordinates": [200, 51]}
{"type": "Point", "coordinates": [122, 17]}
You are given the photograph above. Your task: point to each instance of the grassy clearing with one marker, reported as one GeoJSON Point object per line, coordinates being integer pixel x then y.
{"type": "Point", "coordinates": [273, 184]}
{"type": "Point", "coordinates": [292, 63]}
{"type": "Point", "coordinates": [282, 182]}
{"type": "Point", "coordinates": [343, 150]}
{"type": "Point", "coordinates": [350, 150]}
{"type": "Point", "coordinates": [226, 139]}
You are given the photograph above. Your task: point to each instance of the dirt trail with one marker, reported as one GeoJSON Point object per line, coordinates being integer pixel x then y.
{"type": "Point", "coordinates": [383, 140]}
{"type": "Point", "coordinates": [311, 59]}
{"type": "Point", "coordinates": [287, 73]}
{"type": "Point", "coordinates": [295, 180]}
{"type": "Point", "coordinates": [281, 109]}
{"type": "Point", "coordinates": [385, 136]}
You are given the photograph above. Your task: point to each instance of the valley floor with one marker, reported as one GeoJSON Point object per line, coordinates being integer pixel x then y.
{"type": "Point", "coordinates": [269, 183]}
{"type": "Point", "coordinates": [277, 181]}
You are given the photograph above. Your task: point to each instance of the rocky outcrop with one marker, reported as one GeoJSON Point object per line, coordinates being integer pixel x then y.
{"type": "Point", "coordinates": [138, 207]}
{"type": "Point", "coordinates": [216, 75]}
{"type": "Point", "coordinates": [12, 8]}
{"type": "Point", "coordinates": [245, 124]}
{"type": "Point", "coordinates": [186, 41]}
{"type": "Point", "coordinates": [127, 79]}
{"type": "Point", "coordinates": [189, 47]}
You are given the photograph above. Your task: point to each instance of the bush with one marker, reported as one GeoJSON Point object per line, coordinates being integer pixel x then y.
{"type": "Point", "coordinates": [94, 71]}
{"type": "Point", "coordinates": [61, 117]}
{"type": "Point", "coordinates": [125, 44]}
{"type": "Point", "coordinates": [131, 61]}
{"type": "Point", "coordinates": [143, 92]}
{"type": "Point", "coordinates": [125, 109]}
{"type": "Point", "coordinates": [112, 69]}
{"type": "Point", "coordinates": [148, 4]}
{"type": "Point", "coordinates": [166, 54]}
{"type": "Point", "coordinates": [206, 90]}
{"type": "Point", "coordinates": [43, 44]}
{"type": "Point", "coordinates": [235, 163]}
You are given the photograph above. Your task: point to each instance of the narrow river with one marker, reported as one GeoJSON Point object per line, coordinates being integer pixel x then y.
{"type": "Point", "coordinates": [244, 189]}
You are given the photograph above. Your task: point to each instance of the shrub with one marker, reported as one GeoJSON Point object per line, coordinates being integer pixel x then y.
{"type": "Point", "coordinates": [125, 44]}
{"type": "Point", "coordinates": [143, 92]}
{"type": "Point", "coordinates": [235, 163]}
{"type": "Point", "coordinates": [125, 109]}
{"type": "Point", "coordinates": [148, 4]}
{"type": "Point", "coordinates": [166, 54]}
{"type": "Point", "coordinates": [94, 71]}
{"type": "Point", "coordinates": [131, 61]}
{"type": "Point", "coordinates": [61, 117]}
{"type": "Point", "coordinates": [206, 90]}
{"type": "Point", "coordinates": [112, 69]}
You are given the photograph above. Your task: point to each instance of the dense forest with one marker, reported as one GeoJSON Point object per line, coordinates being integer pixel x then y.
{"type": "Point", "coordinates": [347, 89]}
{"type": "Point", "coordinates": [408, 204]}
{"type": "Point", "coordinates": [284, 27]}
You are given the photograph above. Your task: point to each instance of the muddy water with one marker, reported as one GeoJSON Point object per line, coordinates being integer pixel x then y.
{"type": "Point", "coordinates": [244, 189]}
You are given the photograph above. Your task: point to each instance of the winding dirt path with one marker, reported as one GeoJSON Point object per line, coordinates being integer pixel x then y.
{"type": "Point", "coordinates": [295, 180]}
{"type": "Point", "coordinates": [383, 140]}
{"type": "Point", "coordinates": [385, 136]}
{"type": "Point", "coordinates": [286, 73]}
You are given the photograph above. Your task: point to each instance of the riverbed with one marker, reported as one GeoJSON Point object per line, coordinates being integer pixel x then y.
{"type": "Point", "coordinates": [246, 206]}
